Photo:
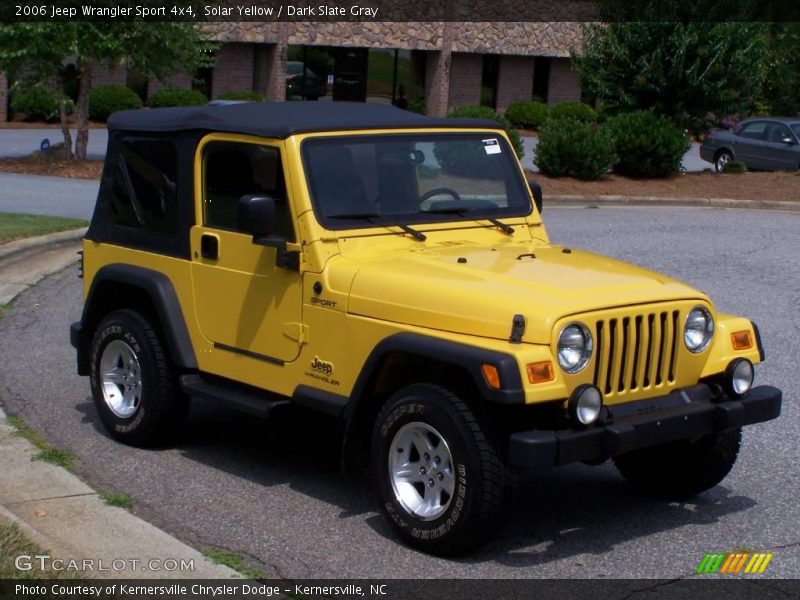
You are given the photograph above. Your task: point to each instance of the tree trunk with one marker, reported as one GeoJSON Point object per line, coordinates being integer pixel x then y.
{"type": "Point", "coordinates": [82, 110]}
{"type": "Point", "coordinates": [62, 110]}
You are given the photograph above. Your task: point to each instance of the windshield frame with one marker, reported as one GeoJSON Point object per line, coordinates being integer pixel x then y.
{"type": "Point", "coordinates": [514, 177]}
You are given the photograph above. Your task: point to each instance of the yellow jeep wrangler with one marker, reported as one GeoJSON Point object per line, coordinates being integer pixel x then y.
{"type": "Point", "coordinates": [393, 270]}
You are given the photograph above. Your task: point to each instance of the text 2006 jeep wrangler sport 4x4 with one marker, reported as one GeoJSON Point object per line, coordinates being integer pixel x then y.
{"type": "Point", "coordinates": [393, 270]}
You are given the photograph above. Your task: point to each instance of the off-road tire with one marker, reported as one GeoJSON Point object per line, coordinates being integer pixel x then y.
{"type": "Point", "coordinates": [680, 470]}
{"type": "Point", "coordinates": [475, 505]}
{"type": "Point", "coordinates": [162, 407]}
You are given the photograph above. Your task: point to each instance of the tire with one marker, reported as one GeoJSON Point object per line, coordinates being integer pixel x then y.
{"type": "Point", "coordinates": [722, 158]}
{"type": "Point", "coordinates": [680, 470]}
{"type": "Point", "coordinates": [153, 409]}
{"type": "Point", "coordinates": [466, 480]}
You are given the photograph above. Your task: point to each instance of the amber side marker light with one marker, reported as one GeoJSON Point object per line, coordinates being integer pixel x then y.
{"type": "Point", "coordinates": [539, 372]}
{"type": "Point", "coordinates": [491, 376]}
{"type": "Point", "coordinates": [741, 340]}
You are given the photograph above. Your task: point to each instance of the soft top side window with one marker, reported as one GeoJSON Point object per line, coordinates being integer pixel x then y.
{"type": "Point", "coordinates": [235, 169]}
{"type": "Point", "coordinates": [144, 190]}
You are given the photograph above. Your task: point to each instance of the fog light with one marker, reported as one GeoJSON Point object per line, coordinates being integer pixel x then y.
{"type": "Point", "coordinates": [585, 404]}
{"type": "Point", "coordinates": [739, 376]}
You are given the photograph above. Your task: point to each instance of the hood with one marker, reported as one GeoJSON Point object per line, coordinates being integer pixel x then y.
{"type": "Point", "coordinates": [477, 290]}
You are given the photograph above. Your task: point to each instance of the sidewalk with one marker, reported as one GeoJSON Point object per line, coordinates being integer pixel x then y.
{"type": "Point", "coordinates": [54, 508]}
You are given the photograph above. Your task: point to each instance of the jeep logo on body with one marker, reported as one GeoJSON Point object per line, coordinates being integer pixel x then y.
{"type": "Point", "coordinates": [322, 366]}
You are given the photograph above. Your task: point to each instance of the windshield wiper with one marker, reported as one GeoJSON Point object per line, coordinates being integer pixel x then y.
{"type": "Point", "coordinates": [504, 227]}
{"type": "Point", "coordinates": [366, 216]}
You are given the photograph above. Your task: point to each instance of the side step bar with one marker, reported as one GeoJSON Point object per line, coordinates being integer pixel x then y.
{"type": "Point", "coordinates": [241, 397]}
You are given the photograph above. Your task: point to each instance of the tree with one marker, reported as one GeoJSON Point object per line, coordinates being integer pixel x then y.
{"type": "Point", "coordinates": [35, 52]}
{"type": "Point", "coordinates": [679, 69]}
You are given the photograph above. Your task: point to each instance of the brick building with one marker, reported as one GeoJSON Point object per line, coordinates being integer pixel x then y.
{"type": "Point", "coordinates": [440, 64]}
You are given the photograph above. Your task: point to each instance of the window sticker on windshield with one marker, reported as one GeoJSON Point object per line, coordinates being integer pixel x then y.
{"type": "Point", "coordinates": [491, 146]}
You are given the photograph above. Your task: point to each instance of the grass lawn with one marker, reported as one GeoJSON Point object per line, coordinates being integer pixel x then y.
{"type": "Point", "coordinates": [15, 226]}
{"type": "Point", "coordinates": [13, 543]}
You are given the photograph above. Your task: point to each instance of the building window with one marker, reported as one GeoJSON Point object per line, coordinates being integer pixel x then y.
{"type": "Point", "coordinates": [489, 73]}
{"type": "Point", "coordinates": [541, 78]}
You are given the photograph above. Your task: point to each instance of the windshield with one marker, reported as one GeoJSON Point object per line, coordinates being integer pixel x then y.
{"type": "Point", "coordinates": [361, 181]}
{"type": "Point", "coordinates": [796, 129]}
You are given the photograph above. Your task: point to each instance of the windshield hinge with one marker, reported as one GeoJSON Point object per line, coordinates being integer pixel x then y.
{"type": "Point", "coordinates": [517, 329]}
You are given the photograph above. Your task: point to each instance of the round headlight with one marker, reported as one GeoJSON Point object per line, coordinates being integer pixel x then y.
{"type": "Point", "coordinates": [740, 376]}
{"type": "Point", "coordinates": [585, 404]}
{"type": "Point", "coordinates": [574, 347]}
{"type": "Point", "coordinates": [698, 330]}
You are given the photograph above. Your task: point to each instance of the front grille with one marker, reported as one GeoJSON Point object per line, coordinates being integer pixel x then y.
{"type": "Point", "coordinates": [636, 353]}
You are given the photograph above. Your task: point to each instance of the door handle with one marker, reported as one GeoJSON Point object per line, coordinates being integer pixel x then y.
{"type": "Point", "coordinates": [209, 246]}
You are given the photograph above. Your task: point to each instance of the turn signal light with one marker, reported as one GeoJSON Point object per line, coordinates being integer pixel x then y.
{"type": "Point", "coordinates": [491, 376]}
{"type": "Point", "coordinates": [540, 372]}
{"type": "Point", "coordinates": [741, 340]}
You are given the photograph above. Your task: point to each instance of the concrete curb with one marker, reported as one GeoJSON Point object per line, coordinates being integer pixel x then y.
{"type": "Point", "coordinates": [661, 201]}
{"type": "Point", "coordinates": [32, 243]}
{"type": "Point", "coordinates": [68, 519]}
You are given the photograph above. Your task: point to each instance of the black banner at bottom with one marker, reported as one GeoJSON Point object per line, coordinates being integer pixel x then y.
{"type": "Point", "coordinates": [399, 589]}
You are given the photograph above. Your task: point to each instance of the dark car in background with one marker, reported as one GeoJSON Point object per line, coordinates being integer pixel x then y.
{"type": "Point", "coordinates": [762, 143]}
{"type": "Point", "coordinates": [310, 87]}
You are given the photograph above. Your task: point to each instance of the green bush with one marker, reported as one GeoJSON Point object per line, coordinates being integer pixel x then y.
{"type": "Point", "coordinates": [246, 96]}
{"type": "Point", "coordinates": [106, 99]}
{"type": "Point", "coordinates": [735, 166]}
{"type": "Point", "coordinates": [39, 103]}
{"type": "Point", "coordinates": [570, 147]}
{"type": "Point", "coordinates": [176, 97]}
{"type": "Point", "coordinates": [647, 145]}
{"type": "Point", "coordinates": [530, 115]}
{"type": "Point", "coordinates": [574, 110]}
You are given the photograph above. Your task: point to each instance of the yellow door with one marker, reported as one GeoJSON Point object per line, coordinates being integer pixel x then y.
{"type": "Point", "coordinates": [244, 302]}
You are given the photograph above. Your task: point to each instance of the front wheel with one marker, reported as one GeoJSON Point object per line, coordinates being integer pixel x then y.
{"type": "Point", "coordinates": [438, 476]}
{"type": "Point", "coordinates": [680, 470]}
{"type": "Point", "coordinates": [132, 383]}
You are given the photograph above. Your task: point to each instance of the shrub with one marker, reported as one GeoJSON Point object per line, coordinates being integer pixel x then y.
{"type": "Point", "coordinates": [176, 97]}
{"type": "Point", "coordinates": [647, 145]}
{"type": "Point", "coordinates": [570, 147]}
{"type": "Point", "coordinates": [106, 99]}
{"type": "Point", "coordinates": [246, 96]}
{"type": "Point", "coordinates": [574, 110]}
{"type": "Point", "coordinates": [530, 115]}
{"type": "Point", "coordinates": [735, 166]}
{"type": "Point", "coordinates": [39, 103]}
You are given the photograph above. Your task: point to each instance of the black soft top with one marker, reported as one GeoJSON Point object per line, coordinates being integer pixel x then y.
{"type": "Point", "coordinates": [282, 119]}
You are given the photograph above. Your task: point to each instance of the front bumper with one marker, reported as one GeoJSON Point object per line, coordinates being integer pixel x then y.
{"type": "Point", "coordinates": [681, 415]}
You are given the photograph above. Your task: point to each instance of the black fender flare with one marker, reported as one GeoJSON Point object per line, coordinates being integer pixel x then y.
{"type": "Point", "coordinates": [165, 301]}
{"type": "Point", "coordinates": [470, 358]}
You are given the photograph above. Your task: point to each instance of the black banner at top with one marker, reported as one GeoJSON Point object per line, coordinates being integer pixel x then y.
{"type": "Point", "coordinates": [272, 11]}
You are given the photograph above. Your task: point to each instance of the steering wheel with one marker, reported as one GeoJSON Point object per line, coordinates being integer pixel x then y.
{"type": "Point", "coordinates": [440, 190]}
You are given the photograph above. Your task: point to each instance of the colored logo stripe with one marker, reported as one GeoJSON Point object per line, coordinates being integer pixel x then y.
{"type": "Point", "coordinates": [731, 563]}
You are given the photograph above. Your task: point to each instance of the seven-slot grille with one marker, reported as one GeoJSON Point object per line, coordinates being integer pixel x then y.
{"type": "Point", "coordinates": [636, 353]}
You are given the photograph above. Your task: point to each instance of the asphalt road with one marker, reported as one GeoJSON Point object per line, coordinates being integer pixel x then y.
{"type": "Point", "coordinates": [271, 490]}
{"type": "Point", "coordinates": [54, 196]}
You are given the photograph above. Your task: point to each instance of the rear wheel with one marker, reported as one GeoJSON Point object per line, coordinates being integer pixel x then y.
{"type": "Point", "coordinates": [722, 158]}
{"type": "Point", "coordinates": [132, 383]}
{"type": "Point", "coordinates": [680, 470]}
{"type": "Point", "coordinates": [439, 478]}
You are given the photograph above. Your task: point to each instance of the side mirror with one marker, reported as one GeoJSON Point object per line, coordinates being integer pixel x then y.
{"type": "Point", "coordinates": [536, 192]}
{"type": "Point", "coordinates": [256, 215]}
{"type": "Point", "coordinates": [788, 140]}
